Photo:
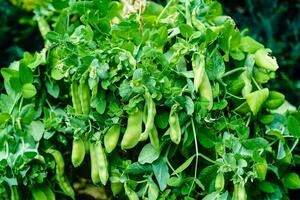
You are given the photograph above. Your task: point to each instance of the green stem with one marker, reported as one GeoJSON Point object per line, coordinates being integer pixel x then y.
{"type": "Point", "coordinates": [197, 154]}
{"type": "Point", "coordinates": [256, 84]}
{"type": "Point", "coordinates": [207, 158]}
{"type": "Point", "coordinates": [169, 164]}
{"type": "Point", "coordinates": [294, 146]}
{"type": "Point", "coordinates": [14, 104]}
{"type": "Point", "coordinates": [233, 71]}
{"type": "Point", "coordinates": [163, 11]}
{"type": "Point", "coordinates": [187, 12]}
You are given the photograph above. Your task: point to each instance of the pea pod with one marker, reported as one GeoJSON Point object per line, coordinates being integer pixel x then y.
{"type": "Point", "coordinates": [206, 91]}
{"type": "Point", "coordinates": [62, 181]}
{"type": "Point", "coordinates": [239, 192]}
{"type": "Point", "coordinates": [59, 160]}
{"type": "Point", "coordinates": [78, 152]}
{"type": "Point", "coordinates": [65, 186]}
{"type": "Point", "coordinates": [151, 112]}
{"type": "Point", "coordinates": [75, 98]}
{"type": "Point", "coordinates": [198, 64]}
{"type": "Point", "coordinates": [154, 139]}
{"type": "Point", "coordinates": [48, 192]}
{"type": "Point", "coordinates": [219, 184]}
{"type": "Point", "coordinates": [94, 165]}
{"type": "Point", "coordinates": [130, 193]}
{"type": "Point", "coordinates": [133, 131]}
{"type": "Point", "coordinates": [274, 100]}
{"type": "Point", "coordinates": [111, 138]}
{"type": "Point", "coordinates": [102, 163]}
{"type": "Point", "coordinates": [14, 193]}
{"type": "Point", "coordinates": [84, 94]}
{"type": "Point", "coordinates": [38, 194]}
{"type": "Point", "coordinates": [175, 130]}
{"type": "Point", "coordinates": [115, 184]}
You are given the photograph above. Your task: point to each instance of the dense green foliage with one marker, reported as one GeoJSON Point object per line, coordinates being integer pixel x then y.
{"type": "Point", "coordinates": [170, 102]}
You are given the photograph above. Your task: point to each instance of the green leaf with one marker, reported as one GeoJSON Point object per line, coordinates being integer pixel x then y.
{"type": "Point", "coordinates": [215, 66]}
{"type": "Point", "coordinates": [256, 99]}
{"type": "Point", "coordinates": [26, 75]}
{"type": "Point", "coordinates": [264, 60]}
{"type": "Point", "coordinates": [186, 30]}
{"type": "Point", "coordinates": [37, 129]}
{"type": "Point", "coordinates": [185, 165]}
{"type": "Point", "coordinates": [28, 90]}
{"type": "Point", "coordinates": [4, 117]}
{"type": "Point", "coordinates": [266, 186]}
{"type": "Point", "coordinates": [161, 172]}
{"type": "Point", "coordinates": [293, 126]}
{"type": "Point", "coordinates": [189, 105]}
{"type": "Point", "coordinates": [205, 137]}
{"type": "Point", "coordinates": [148, 154]}
{"type": "Point", "coordinates": [56, 74]}
{"type": "Point", "coordinates": [162, 119]}
{"type": "Point", "coordinates": [256, 143]}
{"type": "Point", "coordinates": [292, 181]}
{"type": "Point", "coordinates": [52, 89]}
{"type": "Point", "coordinates": [153, 190]}
{"type": "Point", "coordinates": [250, 45]}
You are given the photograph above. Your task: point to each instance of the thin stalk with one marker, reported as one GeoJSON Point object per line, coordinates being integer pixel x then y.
{"type": "Point", "coordinates": [233, 71]}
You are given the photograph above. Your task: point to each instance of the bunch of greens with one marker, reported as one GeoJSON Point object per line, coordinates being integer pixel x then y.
{"type": "Point", "coordinates": [169, 103]}
{"type": "Point", "coordinates": [275, 23]}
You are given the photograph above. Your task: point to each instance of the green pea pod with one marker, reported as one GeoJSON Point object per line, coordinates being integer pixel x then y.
{"type": "Point", "coordinates": [261, 169]}
{"type": "Point", "coordinates": [219, 184]}
{"type": "Point", "coordinates": [60, 176]}
{"type": "Point", "coordinates": [78, 152]}
{"type": "Point", "coordinates": [59, 160]}
{"type": "Point", "coordinates": [154, 139]}
{"type": "Point", "coordinates": [38, 194]}
{"type": "Point", "coordinates": [102, 163]}
{"type": "Point", "coordinates": [94, 165]}
{"type": "Point", "coordinates": [175, 130]}
{"type": "Point", "coordinates": [111, 138]}
{"type": "Point", "coordinates": [14, 193]}
{"type": "Point", "coordinates": [235, 191]}
{"type": "Point", "coordinates": [247, 86]}
{"type": "Point", "coordinates": [84, 91]}
{"type": "Point", "coordinates": [274, 100]}
{"type": "Point", "coordinates": [65, 186]}
{"type": "Point", "coordinates": [206, 91]}
{"type": "Point", "coordinates": [151, 112]}
{"type": "Point", "coordinates": [133, 131]}
{"type": "Point", "coordinates": [196, 23]}
{"type": "Point", "coordinates": [198, 63]}
{"type": "Point", "coordinates": [48, 192]}
{"type": "Point", "coordinates": [242, 195]}
{"type": "Point", "coordinates": [130, 193]}
{"type": "Point", "coordinates": [75, 98]}
{"type": "Point", "coordinates": [115, 184]}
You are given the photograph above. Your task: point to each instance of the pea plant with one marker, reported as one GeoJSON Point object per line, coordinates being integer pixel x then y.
{"type": "Point", "coordinates": [144, 101]}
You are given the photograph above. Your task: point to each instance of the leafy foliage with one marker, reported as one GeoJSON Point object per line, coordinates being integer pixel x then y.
{"type": "Point", "coordinates": [178, 90]}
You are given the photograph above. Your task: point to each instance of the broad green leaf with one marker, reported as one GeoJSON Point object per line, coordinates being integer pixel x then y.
{"type": "Point", "coordinates": [292, 181]}
{"type": "Point", "coordinates": [186, 30]}
{"type": "Point", "coordinates": [26, 75]}
{"type": "Point", "coordinates": [266, 186]}
{"type": "Point", "coordinates": [256, 143]}
{"type": "Point", "coordinates": [28, 90]}
{"type": "Point", "coordinates": [52, 89]}
{"type": "Point", "coordinates": [250, 45]}
{"type": "Point", "coordinates": [148, 154]}
{"type": "Point", "coordinates": [37, 129]}
{"type": "Point", "coordinates": [215, 66]}
{"type": "Point", "coordinates": [256, 99]}
{"type": "Point", "coordinates": [161, 119]}
{"type": "Point", "coordinates": [56, 74]}
{"type": "Point", "coordinates": [4, 117]}
{"type": "Point", "coordinates": [185, 165]}
{"type": "Point", "coordinates": [153, 191]}
{"type": "Point", "coordinates": [161, 172]}
{"type": "Point", "coordinates": [293, 126]}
